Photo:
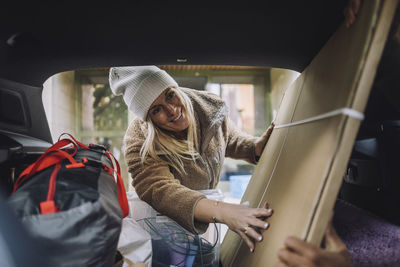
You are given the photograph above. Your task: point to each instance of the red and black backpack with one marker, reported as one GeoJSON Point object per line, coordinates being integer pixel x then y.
{"type": "Point", "coordinates": [73, 199]}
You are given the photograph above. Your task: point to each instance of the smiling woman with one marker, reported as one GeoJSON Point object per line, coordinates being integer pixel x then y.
{"type": "Point", "coordinates": [171, 125]}
{"type": "Point", "coordinates": [169, 113]}
{"type": "Point", "coordinates": [177, 145]}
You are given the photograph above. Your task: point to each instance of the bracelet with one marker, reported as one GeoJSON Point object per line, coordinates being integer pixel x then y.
{"type": "Point", "coordinates": [213, 217]}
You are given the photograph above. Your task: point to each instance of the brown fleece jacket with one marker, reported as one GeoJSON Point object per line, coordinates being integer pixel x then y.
{"type": "Point", "coordinates": [171, 193]}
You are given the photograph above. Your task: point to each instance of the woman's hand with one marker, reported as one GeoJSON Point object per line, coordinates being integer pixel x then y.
{"type": "Point", "coordinates": [246, 222]}
{"type": "Point", "coordinates": [302, 254]}
{"type": "Point", "coordinates": [262, 140]}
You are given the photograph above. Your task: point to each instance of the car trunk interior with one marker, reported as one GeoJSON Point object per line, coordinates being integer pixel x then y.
{"type": "Point", "coordinates": [358, 159]}
{"type": "Point", "coordinates": [24, 134]}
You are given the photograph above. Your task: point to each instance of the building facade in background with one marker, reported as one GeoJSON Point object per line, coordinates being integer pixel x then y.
{"type": "Point", "coordinates": [82, 104]}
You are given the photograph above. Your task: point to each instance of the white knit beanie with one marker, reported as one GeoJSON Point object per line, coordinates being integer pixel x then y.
{"type": "Point", "coordinates": [140, 86]}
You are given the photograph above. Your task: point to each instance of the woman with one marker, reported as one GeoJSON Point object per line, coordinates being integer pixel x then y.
{"type": "Point", "coordinates": [177, 145]}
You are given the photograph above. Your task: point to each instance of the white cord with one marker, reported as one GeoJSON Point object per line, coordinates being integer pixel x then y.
{"type": "Point", "coordinates": [341, 111]}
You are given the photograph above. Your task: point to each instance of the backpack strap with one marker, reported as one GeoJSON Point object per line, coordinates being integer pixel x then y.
{"type": "Point", "coordinates": [77, 143]}
{"type": "Point", "coordinates": [49, 206]}
{"type": "Point", "coordinates": [52, 156]}
{"type": "Point", "coordinates": [122, 198]}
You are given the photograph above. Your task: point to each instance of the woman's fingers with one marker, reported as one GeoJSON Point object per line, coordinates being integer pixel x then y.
{"type": "Point", "coordinates": [250, 232]}
{"type": "Point", "coordinates": [246, 222]}
{"type": "Point", "coordinates": [270, 128]}
{"type": "Point", "coordinates": [258, 223]}
{"type": "Point", "coordinates": [259, 216]}
{"type": "Point", "coordinates": [247, 240]}
{"type": "Point", "coordinates": [266, 206]}
{"type": "Point", "coordinates": [263, 212]}
{"type": "Point", "coordinates": [262, 140]}
{"type": "Point", "coordinates": [268, 132]}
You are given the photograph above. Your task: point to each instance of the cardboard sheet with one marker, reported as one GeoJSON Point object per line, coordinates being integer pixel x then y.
{"type": "Point", "coordinates": [302, 167]}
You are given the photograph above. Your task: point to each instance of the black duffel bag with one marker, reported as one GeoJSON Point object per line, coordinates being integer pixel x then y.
{"type": "Point", "coordinates": [72, 200]}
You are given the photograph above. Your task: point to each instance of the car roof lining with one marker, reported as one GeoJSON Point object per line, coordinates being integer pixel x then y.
{"type": "Point", "coordinates": [39, 39]}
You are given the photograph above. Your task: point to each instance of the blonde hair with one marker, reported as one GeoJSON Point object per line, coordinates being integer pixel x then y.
{"type": "Point", "coordinates": [159, 142]}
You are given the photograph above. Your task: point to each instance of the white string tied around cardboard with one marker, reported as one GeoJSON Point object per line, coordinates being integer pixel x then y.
{"type": "Point", "coordinates": [341, 111]}
{"type": "Point", "coordinates": [352, 113]}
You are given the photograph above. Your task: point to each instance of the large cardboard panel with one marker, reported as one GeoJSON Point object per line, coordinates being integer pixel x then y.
{"type": "Point", "coordinates": [266, 167]}
{"type": "Point", "coordinates": [302, 166]}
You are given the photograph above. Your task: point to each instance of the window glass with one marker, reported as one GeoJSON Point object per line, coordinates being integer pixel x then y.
{"type": "Point", "coordinates": [104, 119]}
